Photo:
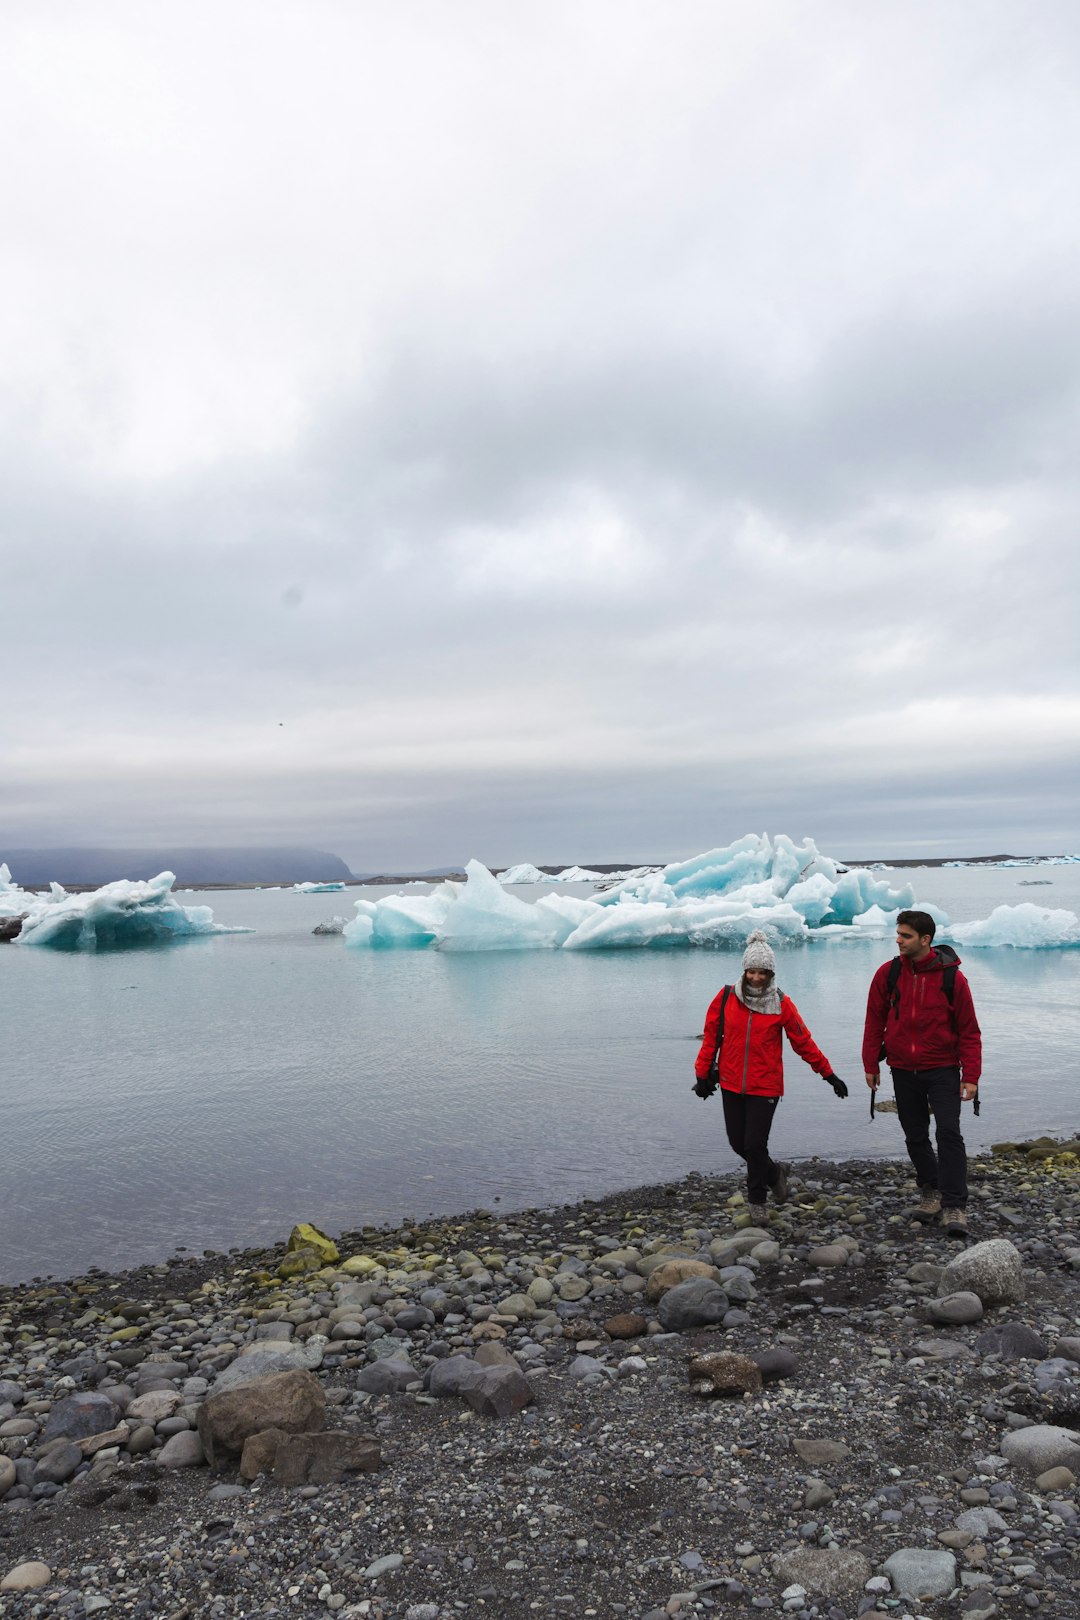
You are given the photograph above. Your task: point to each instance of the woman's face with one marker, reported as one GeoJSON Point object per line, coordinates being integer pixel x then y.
{"type": "Point", "coordinates": [758, 978]}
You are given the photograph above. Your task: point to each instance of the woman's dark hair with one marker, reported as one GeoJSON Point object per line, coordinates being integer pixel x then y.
{"type": "Point", "coordinates": [921, 921]}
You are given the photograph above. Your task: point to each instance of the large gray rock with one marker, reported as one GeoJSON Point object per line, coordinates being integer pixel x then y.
{"type": "Point", "coordinates": [263, 1358]}
{"type": "Point", "coordinates": [499, 1391]}
{"type": "Point", "coordinates": [774, 1363]}
{"type": "Point", "coordinates": [1042, 1446]}
{"type": "Point", "coordinates": [60, 1463]}
{"type": "Point", "coordinates": [79, 1416]}
{"type": "Point", "coordinates": [921, 1572]}
{"type": "Point", "coordinates": [956, 1309]}
{"type": "Point", "coordinates": [993, 1270]}
{"type": "Point", "coordinates": [1013, 1342]}
{"type": "Point", "coordinates": [698, 1302]}
{"type": "Point", "coordinates": [980, 1521]}
{"type": "Point", "coordinates": [453, 1376]}
{"type": "Point", "coordinates": [183, 1450]}
{"type": "Point", "coordinates": [292, 1401]}
{"type": "Point", "coordinates": [832, 1573]}
{"type": "Point", "coordinates": [8, 1475]}
{"type": "Point", "coordinates": [387, 1377]}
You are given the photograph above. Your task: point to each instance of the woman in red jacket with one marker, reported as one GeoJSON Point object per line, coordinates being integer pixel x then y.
{"type": "Point", "coordinates": [743, 1048]}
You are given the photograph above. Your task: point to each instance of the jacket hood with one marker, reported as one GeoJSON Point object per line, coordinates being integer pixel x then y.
{"type": "Point", "coordinates": [941, 956]}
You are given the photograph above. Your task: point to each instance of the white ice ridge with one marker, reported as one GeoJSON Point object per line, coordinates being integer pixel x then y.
{"type": "Point", "coordinates": [525, 872]}
{"type": "Point", "coordinates": [114, 917]}
{"type": "Point", "coordinates": [316, 888]}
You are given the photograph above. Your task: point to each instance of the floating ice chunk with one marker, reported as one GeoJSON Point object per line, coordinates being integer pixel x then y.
{"type": "Point", "coordinates": [316, 888]}
{"type": "Point", "coordinates": [486, 918]}
{"type": "Point", "coordinates": [707, 921]}
{"type": "Point", "coordinates": [1027, 927]}
{"type": "Point", "coordinates": [401, 919]}
{"type": "Point", "coordinates": [522, 873]}
{"type": "Point", "coordinates": [115, 917]}
{"type": "Point", "coordinates": [581, 874]}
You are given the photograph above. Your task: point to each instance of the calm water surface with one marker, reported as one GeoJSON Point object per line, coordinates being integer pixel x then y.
{"type": "Point", "coordinates": [214, 1092]}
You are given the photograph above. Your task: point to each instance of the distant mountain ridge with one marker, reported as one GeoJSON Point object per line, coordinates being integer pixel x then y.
{"type": "Point", "coordinates": [210, 864]}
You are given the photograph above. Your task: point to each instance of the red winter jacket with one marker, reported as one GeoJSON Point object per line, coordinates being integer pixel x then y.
{"type": "Point", "coordinates": [752, 1054]}
{"type": "Point", "coordinates": [922, 1031]}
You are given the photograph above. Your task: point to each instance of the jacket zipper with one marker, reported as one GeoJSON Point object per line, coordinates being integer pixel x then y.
{"type": "Point", "coordinates": [746, 1050]}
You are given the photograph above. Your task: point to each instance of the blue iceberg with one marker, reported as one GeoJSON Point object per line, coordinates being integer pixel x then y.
{"type": "Point", "coordinates": [118, 916]}
{"type": "Point", "coordinates": [790, 890]}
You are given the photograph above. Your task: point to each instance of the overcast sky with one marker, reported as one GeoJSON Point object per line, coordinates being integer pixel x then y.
{"type": "Point", "coordinates": [557, 432]}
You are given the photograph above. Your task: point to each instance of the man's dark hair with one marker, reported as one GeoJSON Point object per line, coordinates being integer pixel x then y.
{"type": "Point", "coordinates": [921, 921]}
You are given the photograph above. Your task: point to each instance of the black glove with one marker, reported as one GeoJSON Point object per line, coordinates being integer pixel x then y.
{"type": "Point", "coordinates": [706, 1087]}
{"type": "Point", "coordinates": [837, 1084]}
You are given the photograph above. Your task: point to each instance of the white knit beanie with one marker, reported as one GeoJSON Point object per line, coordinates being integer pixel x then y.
{"type": "Point", "coordinates": [758, 953]}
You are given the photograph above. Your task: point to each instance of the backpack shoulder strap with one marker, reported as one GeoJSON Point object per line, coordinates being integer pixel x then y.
{"type": "Point", "coordinates": [715, 1064]}
{"type": "Point", "coordinates": [892, 982]}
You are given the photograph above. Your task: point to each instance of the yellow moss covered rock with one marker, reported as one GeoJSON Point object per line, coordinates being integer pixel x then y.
{"type": "Point", "coordinates": [305, 1236]}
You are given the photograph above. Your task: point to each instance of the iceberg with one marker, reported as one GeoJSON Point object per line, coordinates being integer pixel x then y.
{"type": "Point", "coordinates": [1025, 927]}
{"type": "Point", "coordinates": [790, 890]}
{"type": "Point", "coordinates": [523, 873]}
{"type": "Point", "coordinates": [115, 917]}
{"type": "Point", "coordinates": [316, 888]}
{"type": "Point", "coordinates": [712, 900]}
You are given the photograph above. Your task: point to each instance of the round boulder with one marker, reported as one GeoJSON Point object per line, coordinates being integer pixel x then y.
{"type": "Point", "coordinates": [1042, 1446]}
{"type": "Point", "coordinates": [993, 1270]}
{"type": "Point", "coordinates": [698, 1302]}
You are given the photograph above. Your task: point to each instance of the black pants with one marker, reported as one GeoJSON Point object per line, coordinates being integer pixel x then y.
{"type": "Point", "coordinates": [920, 1092]}
{"type": "Point", "coordinates": [748, 1121]}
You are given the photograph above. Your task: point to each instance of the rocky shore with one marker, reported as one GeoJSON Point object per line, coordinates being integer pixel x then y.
{"type": "Point", "coordinates": [637, 1406]}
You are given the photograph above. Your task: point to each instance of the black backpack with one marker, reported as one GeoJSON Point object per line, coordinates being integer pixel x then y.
{"type": "Point", "coordinates": [948, 982]}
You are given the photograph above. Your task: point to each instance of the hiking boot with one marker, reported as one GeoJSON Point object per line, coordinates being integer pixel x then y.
{"type": "Point", "coordinates": [759, 1214]}
{"type": "Point", "coordinates": [780, 1185]}
{"type": "Point", "coordinates": [929, 1206]}
{"type": "Point", "coordinates": [955, 1223]}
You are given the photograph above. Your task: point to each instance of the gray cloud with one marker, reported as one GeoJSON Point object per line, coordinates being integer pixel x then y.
{"type": "Point", "coordinates": [603, 433]}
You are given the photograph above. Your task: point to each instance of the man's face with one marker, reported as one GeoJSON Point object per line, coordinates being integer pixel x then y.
{"type": "Point", "coordinates": [910, 943]}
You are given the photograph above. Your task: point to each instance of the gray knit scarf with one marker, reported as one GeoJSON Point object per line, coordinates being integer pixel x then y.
{"type": "Point", "coordinates": [766, 1000]}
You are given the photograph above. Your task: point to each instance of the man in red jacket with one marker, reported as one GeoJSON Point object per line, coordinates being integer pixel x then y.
{"type": "Point", "coordinates": [933, 1045]}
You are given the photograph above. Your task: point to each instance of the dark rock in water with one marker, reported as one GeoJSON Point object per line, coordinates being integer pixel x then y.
{"type": "Point", "coordinates": [1013, 1341]}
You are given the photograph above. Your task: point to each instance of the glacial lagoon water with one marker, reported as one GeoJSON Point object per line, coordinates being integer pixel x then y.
{"type": "Point", "coordinates": [213, 1092]}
